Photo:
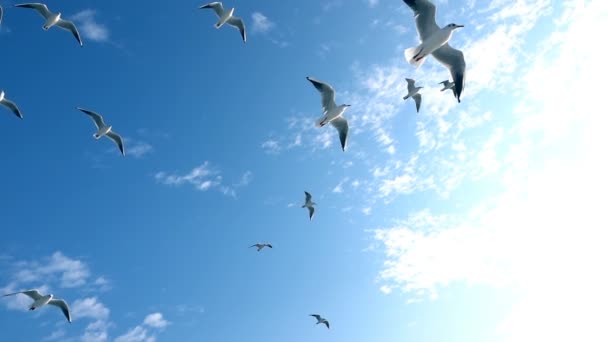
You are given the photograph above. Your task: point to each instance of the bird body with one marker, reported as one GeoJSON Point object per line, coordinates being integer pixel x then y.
{"type": "Point", "coordinates": [261, 246]}
{"type": "Point", "coordinates": [102, 131]}
{"type": "Point", "coordinates": [417, 55]}
{"type": "Point", "coordinates": [308, 203]}
{"type": "Point", "coordinates": [40, 301]}
{"type": "Point", "coordinates": [51, 21]}
{"type": "Point", "coordinates": [224, 18]}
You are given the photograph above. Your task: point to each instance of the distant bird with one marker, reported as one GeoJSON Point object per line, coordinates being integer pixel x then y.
{"type": "Point", "coordinates": [10, 105]}
{"type": "Point", "coordinates": [321, 320]}
{"type": "Point", "coordinates": [103, 130]}
{"type": "Point", "coordinates": [413, 92]}
{"type": "Point", "coordinates": [227, 17]}
{"type": "Point", "coordinates": [447, 85]}
{"type": "Point", "coordinates": [435, 41]}
{"type": "Point", "coordinates": [309, 204]}
{"type": "Point", "coordinates": [40, 300]}
{"type": "Point", "coordinates": [331, 112]}
{"type": "Point", "coordinates": [53, 19]}
{"type": "Point", "coordinates": [261, 246]}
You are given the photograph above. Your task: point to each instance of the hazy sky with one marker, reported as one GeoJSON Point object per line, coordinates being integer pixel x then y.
{"type": "Point", "coordinates": [480, 221]}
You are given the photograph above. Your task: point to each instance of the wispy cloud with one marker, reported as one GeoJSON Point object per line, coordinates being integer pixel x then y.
{"type": "Point", "coordinates": [261, 23]}
{"type": "Point", "coordinates": [90, 28]}
{"type": "Point", "coordinates": [147, 331]}
{"type": "Point", "coordinates": [203, 178]}
{"type": "Point", "coordinates": [90, 308]}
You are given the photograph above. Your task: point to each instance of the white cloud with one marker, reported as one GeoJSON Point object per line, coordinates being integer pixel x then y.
{"type": "Point", "coordinates": [372, 3]}
{"type": "Point", "coordinates": [138, 149]}
{"type": "Point", "coordinates": [89, 27]}
{"type": "Point", "coordinates": [271, 146]}
{"type": "Point", "coordinates": [261, 23]}
{"type": "Point", "coordinates": [90, 308]}
{"type": "Point", "coordinates": [137, 334]}
{"type": "Point", "coordinates": [156, 320]}
{"type": "Point", "coordinates": [66, 271]}
{"type": "Point", "coordinates": [202, 177]}
{"type": "Point", "coordinates": [95, 332]}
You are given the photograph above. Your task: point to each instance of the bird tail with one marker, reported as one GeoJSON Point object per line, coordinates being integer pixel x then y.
{"type": "Point", "coordinates": [406, 97]}
{"type": "Point", "coordinates": [321, 121]}
{"type": "Point", "coordinates": [411, 56]}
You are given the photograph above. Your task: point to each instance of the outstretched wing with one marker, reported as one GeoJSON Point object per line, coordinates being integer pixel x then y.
{"type": "Point", "coordinates": [327, 94]}
{"type": "Point", "coordinates": [341, 125]}
{"type": "Point", "coordinates": [311, 212]}
{"type": "Point", "coordinates": [424, 14]}
{"type": "Point", "coordinates": [60, 303]}
{"type": "Point", "coordinates": [216, 6]}
{"type": "Point", "coordinates": [239, 24]}
{"type": "Point", "coordinates": [326, 323]}
{"type": "Point", "coordinates": [41, 8]}
{"type": "Point", "coordinates": [12, 106]}
{"type": "Point", "coordinates": [318, 317]}
{"type": "Point", "coordinates": [68, 25]}
{"type": "Point", "coordinates": [34, 294]}
{"type": "Point", "coordinates": [97, 119]}
{"type": "Point", "coordinates": [410, 85]}
{"type": "Point", "coordinates": [418, 99]}
{"type": "Point", "coordinates": [118, 140]}
{"type": "Point", "coordinates": [308, 196]}
{"type": "Point", "coordinates": [453, 60]}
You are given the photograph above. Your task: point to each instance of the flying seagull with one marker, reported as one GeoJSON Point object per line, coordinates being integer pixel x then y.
{"type": "Point", "coordinates": [227, 17]}
{"type": "Point", "coordinates": [434, 41]}
{"type": "Point", "coordinates": [260, 246]}
{"type": "Point", "coordinates": [309, 204]}
{"type": "Point", "coordinates": [413, 92]}
{"type": "Point", "coordinates": [40, 300]}
{"type": "Point", "coordinates": [10, 105]}
{"type": "Point", "coordinates": [53, 19]}
{"type": "Point", "coordinates": [331, 112]}
{"type": "Point", "coordinates": [321, 320]}
{"type": "Point", "coordinates": [447, 85]}
{"type": "Point", "coordinates": [103, 130]}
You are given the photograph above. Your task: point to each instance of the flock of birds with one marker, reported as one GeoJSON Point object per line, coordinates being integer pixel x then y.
{"type": "Point", "coordinates": [434, 41]}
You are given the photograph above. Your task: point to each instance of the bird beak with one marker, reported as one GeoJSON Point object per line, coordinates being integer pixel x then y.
{"type": "Point", "coordinates": [459, 25]}
{"type": "Point", "coordinates": [347, 105]}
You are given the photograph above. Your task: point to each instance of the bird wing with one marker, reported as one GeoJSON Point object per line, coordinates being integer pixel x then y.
{"type": "Point", "coordinates": [410, 85]}
{"type": "Point", "coordinates": [341, 125]}
{"type": "Point", "coordinates": [327, 94]}
{"type": "Point", "coordinates": [34, 294]}
{"type": "Point", "coordinates": [424, 13]}
{"type": "Point", "coordinates": [216, 6]}
{"type": "Point", "coordinates": [238, 23]}
{"type": "Point", "coordinates": [60, 303]}
{"type": "Point", "coordinates": [318, 317]}
{"type": "Point", "coordinates": [68, 25]}
{"type": "Point", "coordinates": [418, 99]}
{"type": "Point", "coordinates": [41, 8]}
{"type": "Point", "coordinates": [253, 245]}
{"type": "Point", "coordinates": [12, 106]}
{"type": "Point", "coordinates": [453, 60]}
{"type": "Point", "coordinates": [326, 323]}
{"type": "Point", "coordinates": [118, 140]}
{"type": "Point", "coordinates": [97, 119]}
{"type": "Point", "coordinates": [308, 196]}
{"type": "Point", "coordinates": [311, 212]}
{"type": "Point", "coordinates": [269, 245]}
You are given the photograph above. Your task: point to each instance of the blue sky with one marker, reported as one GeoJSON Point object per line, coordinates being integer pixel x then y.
{"type": "Point", "coordinates": [479, 221]}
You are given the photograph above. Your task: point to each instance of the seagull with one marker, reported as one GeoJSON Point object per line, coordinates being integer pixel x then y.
{"type": "Point", "coordinates": [103, 130]}
{"type": "Point", "coordinates": [309, 204]}
{"type": "Point", "coordinates": [227, 17]}
{"type": "Point", "coordinates": [331, 113]}
{"type": "Point", "coordinates": [10, 105]}
{"type": "Point", "coordinates": [435, 41]}
{"type": "Point", "coordinates": [413, 91]}
{"type": "Point", "coordinates": [448, 85]}
{"type": "Point", "coordinates": [40, 300]}
{"type": "Point", "coordinates": [53, 19]}
{"type": "Point", "coordinates": [260, 246]}
{"type": "Point", "coordinates": [321, 320]}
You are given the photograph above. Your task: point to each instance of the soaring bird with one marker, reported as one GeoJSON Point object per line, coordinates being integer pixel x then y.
{"type": "Point", "coordinates": [434, 41]}
{"type": "Point", "coordinates": [309, 204]}
{"type": "Point", "coordinates": [10, 105]}
{"type": "Point", "coordinates": [53, 19]}
{"type": "Point", "coordinates": [413, 92]}
{"type": "Point", "coordinates": [104, 130]}
{"type": "Point", "coordinates": [261, 246]}
{"type": "Point", "coordinates": [227, 17]}
{"type": "Point", "coordinates": [40, 300]}
{"type": "Point", "coordinates": [321, 320]}
{"type": "Point", "coordinates": [331, 112]}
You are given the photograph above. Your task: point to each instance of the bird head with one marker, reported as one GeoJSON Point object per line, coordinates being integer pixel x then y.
{"type": "Point", "coordinates": [345, 105]}
{"type": "Point", "coordinates": [453, 26]}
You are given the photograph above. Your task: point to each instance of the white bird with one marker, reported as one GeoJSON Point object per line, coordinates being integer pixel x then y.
{"type": "Point", "coordinates": [40, 300]}
{"type": "Point", "coordinates": [435, 41]}
{"type": "Point", "coordinates": [104, 130]}
{"type": "Point", "coordinates": [321, 320]}
{"type": "Point", "coordinates": [331, 112]}
{"type": "Point", "coordinates": [10, 105]}
{"type": "Point", "coordinates": [309, 204]}
{"type": "Point", "coordinates": [447, 85]}
{"type": "Point", "coordinates": [53, 19]}
{"type": "Point", "coordinates": [227, 17]}
{"type": "Point", "coordinates": [413, 92]}
{"type": "Point", "coordinates": [260, 246]}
